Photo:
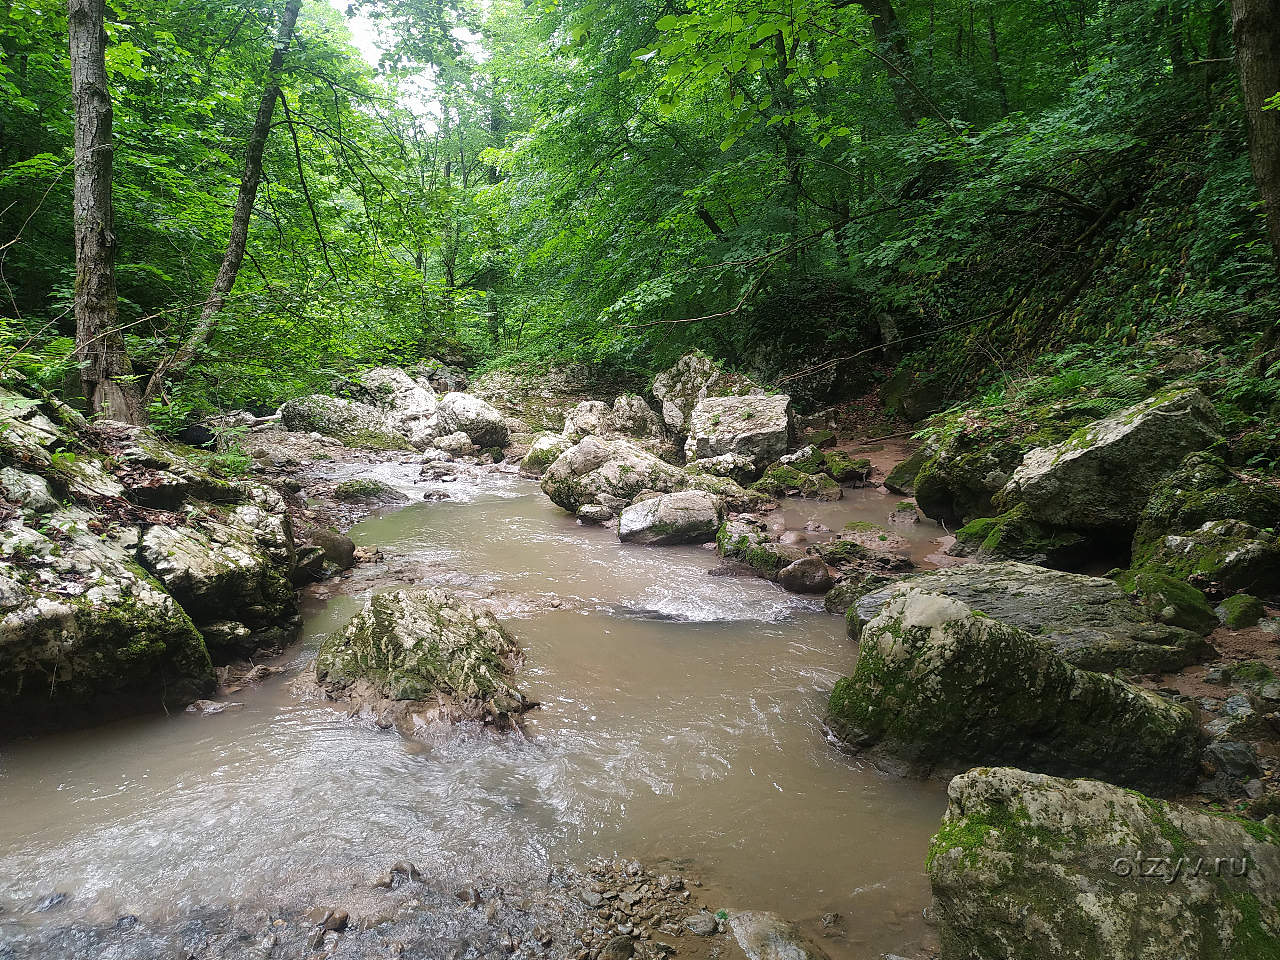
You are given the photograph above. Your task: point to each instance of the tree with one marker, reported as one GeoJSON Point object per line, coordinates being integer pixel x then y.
{"type": "Point", "coordinates": [1256, 28]}
{"type": "Point", "coordinates": [245, 201]}
{"type": "Point", "coordinates": [104, 372]}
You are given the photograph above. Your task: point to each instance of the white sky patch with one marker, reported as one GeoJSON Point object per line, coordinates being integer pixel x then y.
{"type": "Point", "coordinates": [363, 33]}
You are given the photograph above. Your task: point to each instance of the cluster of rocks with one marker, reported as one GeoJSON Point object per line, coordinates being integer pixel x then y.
{"type": "Point", "coordinates": [130, 569]}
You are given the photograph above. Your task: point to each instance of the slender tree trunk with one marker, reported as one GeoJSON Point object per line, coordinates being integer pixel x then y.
{"type": "Point", "coordinates": [892, 38]}
{"type": "Point", "coordinates": [104, 373]}
{"type": "Point", "coordinates": [994, 46]}
{"type": "Point", "coordinates": [1256, 29]}
{"type": "Point", "coordinates": [243, 213]}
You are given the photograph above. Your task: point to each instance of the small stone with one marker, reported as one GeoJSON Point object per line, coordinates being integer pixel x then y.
{"type": "Point", "coordinates": [618, 948]}
{"type": "Point", "coordinates": [702, 923]}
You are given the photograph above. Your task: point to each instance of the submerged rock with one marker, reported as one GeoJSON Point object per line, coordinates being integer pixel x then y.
{"type": "Point", "coordinates": [1038, 868]}
{"type": "Point", "coordinates": [689, 516]}
{"type": "Point", "coordinates": [1103, 474]}
{"type": "Point", "coordinates": [417, 657]}
{"type": "Point", "coordinates": [1089, 621]}
{"type": "Point", "coordinates": [756, 427]}
{"type": "Point", "coordinates": [766, 936]}
{"type": "Point", "coordinates": [940, 686]}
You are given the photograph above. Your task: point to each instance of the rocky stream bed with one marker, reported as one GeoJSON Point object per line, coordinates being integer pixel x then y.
{"type": "Point", "coordinates": [586, 692]}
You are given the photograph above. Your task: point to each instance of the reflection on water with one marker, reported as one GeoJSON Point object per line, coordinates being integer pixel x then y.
{"type": "Point", "coordinates": [680, 723]}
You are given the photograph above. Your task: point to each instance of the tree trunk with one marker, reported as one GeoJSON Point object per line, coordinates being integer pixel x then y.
{"type": "Point", "coordinates": [104, 373]}
{"type": "Point", "coordinates": [243, 213]}
{"type": "Point", "coordinates": [892, 39]}
{"type": "Point", "coordinates": [1256, 29]}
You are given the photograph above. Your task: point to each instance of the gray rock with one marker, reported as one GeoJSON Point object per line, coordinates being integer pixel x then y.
{"type": "Point", "coordinates": [410, 404]}
{"type": "Point", "coordinates": [416, 657]}
{"type": "Point", "coordinates": [1233, 759]}
{"type": "Point", "coordinates": [456, 444]}
{"type": "Point", "coordinates": [594, 513]}
{"type": "Point", "coordinates": [689, 516]}
{"type": "Point", "coordinates": [587, 419]}
{"type": "Point", "coordinates": [766, 936]}
{"type": "Point", "coordinates": [351, 422]}
{"type": "Point", "coordinates": [1038, 868]}
{"type": "Point", "coordinates": [608, 472]}
{"type": "Point", "coordinates": [618, 948]}
{"type": "Point", "coordinates": [703, 923]}
{"type": "Point", "coordinates": [939, 686]}
{"type": "Point", "coordinates": [483, 423]}
{"type": "Point", "coordinates": [756, 427]}
{"type": "Point", "coordinates": [731, 466]}
{"type": "Point", "coordinates": [1088, 621]}
{"type": "Point", "coordinates": [1103, 475]}
{"type": "Point", "coordinates": [543, 452]}
{"type": "Point", "coordinates": [633, 417]}
{"type": "Point", "coordinates": [27, 490]}
{"type": "Point", "coordinates": [806, 575]}
{"type": "Point", "coordinates": [694, 377]}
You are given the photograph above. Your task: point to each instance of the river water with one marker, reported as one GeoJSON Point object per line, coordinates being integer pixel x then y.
{"type": "Point", "coordinates": [680, 725]}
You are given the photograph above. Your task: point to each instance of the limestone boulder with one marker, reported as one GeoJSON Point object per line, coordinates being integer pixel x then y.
{"type": "Point", "coordinates": [939, 686]}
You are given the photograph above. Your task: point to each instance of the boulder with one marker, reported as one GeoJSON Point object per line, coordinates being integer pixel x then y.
{"type": "Point", "coordinates": [766, 936]}
{"type": "Point", "coordinates": [736, 499]}
{"type": "Point", "coordinates": [542, 453]}
{"type": "Point", "coordinates": [416, 657]}
{"type": "Point", "coordinates": [1014, 535]}
{"type": "Point", "coordinates": [694, 377]}
{"type": "Point", "coordinates": [1220, 557]}
{"type": "Point", "coordinates": [688, 516]}
{"type": "Point", "coordinates": [806, 575]}
{"type": "Point", "coordinates": [457, 444]}
{"type": "Point", "coordinates": [1089, 621]}
{"type": "Point", "coordinates": [746, 540]}
{"type": "Point", "coordinates": [940, 686]}
{"type": "Point", "coordinates": [607, 472]}
{"type": "Point", "coordinates": [756, 427]}
{"type": "Point", "coordinates": [85, 633]}
{"type": "Point", "coordinates": [731, 466]}
{"type": "Point", "coordinates": [902, 478]}
{"type": "Point", "coordinates": [351, 422]}
{"type": "Point", "coordinates": [410, 404]}
{"type": "Point", "coordinates": [28, 491]}
{"type": "Point", "coordinates": [1038, 868]}
{"type": "Point", "coordinates": [781, 480]}
{"type": "Point", "coordinates": [594, 514]}
{"type": "Point", "coordinates": [587, 419]}
{"type": "Point", "coordinates": [633, 417]}
{"type": "Point", "coordinates": [219, 569]}
{"type": "Point", "coordinates": [1102, 475]}
{"type": "Point", "coordinates": [462, 412]}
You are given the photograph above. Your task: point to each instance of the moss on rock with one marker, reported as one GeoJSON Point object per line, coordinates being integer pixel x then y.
{"type": "Point", "coordinates": [1241, 610]}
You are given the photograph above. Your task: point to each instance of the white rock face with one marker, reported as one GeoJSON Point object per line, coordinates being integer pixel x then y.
{"type": "Point", "coordinates": [693, 378]}
{"type": "Point", "coordinates": [607, 472]}
{"type": "Point", "coordinates": [1104, 474]}
{"type": "Point", "coordinates": [634, 418]}
{"type": "Point", "coordinates": [480, 421]}
{"type": "Point", "coordinates": [689, 516]}
{"type": "Point", "coordinates": [586, 419]}
{"type": "Point", "coordinates": [410, 404]}
{"type": "Point", "coordinates": [27, 490]}
{"type": "Point", "coordinates": [457, 444]}
{"type": "Point", "coordinates": [755, 427]}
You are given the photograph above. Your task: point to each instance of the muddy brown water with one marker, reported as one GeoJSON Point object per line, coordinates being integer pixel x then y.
{"type": "Point", "coordinates": [680, 725]}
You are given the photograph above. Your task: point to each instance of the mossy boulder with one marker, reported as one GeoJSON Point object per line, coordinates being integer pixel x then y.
{"type": "Point", "coordinates": [747, 541]}
{"type": "Point", "coordinates": [1039, 868]}
{"type": "Point", "coordinates": [940, 686]}
{"type": "Point", "coordinates": [87, 634]}
{"type": "Point", "coordinates": [1089, 621]}
{"type": "Point", "coordinates": [348, 421]}
{"type": "Point", "coordinates": [1172, 601]}
{"type": "Point", "coordinates": [808, 459]}
{"type": "Point", "coordinates": [1241, 610]}
{"type": "Point", "coordinates": [1016, 536]}
{"type": "Point", "coordinates": [956, 484]}
{"type": "Point", "coordinates": [363, 489]}
{"type": "Point", "coordinates": [1202, 489]}
{"type": "Point", "coordinates": [1220, 557]}
{"type": "Point", "coordinates": [414, 657]}
{"type": "Point", "coordinates": [780, 480]}
{"type": "Point", "coordinates": [1102, 476]}
{"type": "Point", "coordinates": [843, 468]}
{"type": "Point", "coordinates": [543, 452]}
{"type": "Point", "coordinates": [902, 478]}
